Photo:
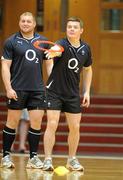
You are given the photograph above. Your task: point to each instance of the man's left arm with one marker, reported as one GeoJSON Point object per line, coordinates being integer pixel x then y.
{"type": "Point", "coordinates": [87, 79]}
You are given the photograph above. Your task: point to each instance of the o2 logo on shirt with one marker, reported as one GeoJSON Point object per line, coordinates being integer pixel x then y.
{"type": "Point", "coordinates": [31, 57]}
{"type": "Point", "coordinates": [72, 64]}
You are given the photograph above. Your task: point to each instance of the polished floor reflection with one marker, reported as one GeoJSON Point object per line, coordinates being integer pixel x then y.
{"type": "Point", "coordinates": [96, 168]}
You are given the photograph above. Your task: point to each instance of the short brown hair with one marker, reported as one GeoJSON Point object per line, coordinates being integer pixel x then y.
{"type": "Point", "coordinates": [76, 19]}
{"type": "Point", "coordinates": [28, 14]}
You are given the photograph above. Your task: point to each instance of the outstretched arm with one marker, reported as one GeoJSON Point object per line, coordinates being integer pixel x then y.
{"type": "Point", "coordinates": [49, 66]}
{"type": "Point", "coordinates": [87, 78]}
{"type": "Point", "coordinates": [55, 53]}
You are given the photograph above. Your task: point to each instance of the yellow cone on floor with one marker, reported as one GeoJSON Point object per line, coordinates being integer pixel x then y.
{"type": "Point", "coordinates": [61, 170]}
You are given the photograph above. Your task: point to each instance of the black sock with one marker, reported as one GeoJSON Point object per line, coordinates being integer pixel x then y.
{"type": "Point", "coordinates": [33, 138]}
{"type": "Point", "coordinates": [8, 139]}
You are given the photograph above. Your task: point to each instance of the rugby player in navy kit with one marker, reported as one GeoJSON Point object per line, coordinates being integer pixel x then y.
{"type": "Point", "coordinates": [22, 77]}
{"type": "Point", "coordinates": [63, 91]}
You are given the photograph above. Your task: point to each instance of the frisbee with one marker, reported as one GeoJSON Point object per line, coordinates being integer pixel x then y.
{"type": "Point", "coordinates": [39, 44]}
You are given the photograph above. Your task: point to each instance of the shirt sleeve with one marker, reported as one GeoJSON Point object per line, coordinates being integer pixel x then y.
{"type": "Point", "coordinates": [88, 62]}
{"type": "Point", "coordinates": [7, 50]}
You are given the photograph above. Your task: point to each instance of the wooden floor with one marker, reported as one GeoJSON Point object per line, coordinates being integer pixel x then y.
{"type": "Point", "coordinates": [96, 168]}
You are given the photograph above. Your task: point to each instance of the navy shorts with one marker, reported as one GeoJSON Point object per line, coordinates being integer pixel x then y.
{"type": "Point", "coordinates": [71, 104]}
{"type": "Point", "coordinates": [28, 99]}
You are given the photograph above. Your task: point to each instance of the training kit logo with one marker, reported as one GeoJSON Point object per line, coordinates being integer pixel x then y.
{"type": "Point", "coordinates": [9, 101]}
{"type": "Point", "coordinates": [83, 52]}
{"type": "Point", "coordinates": [20, 42]}
{"type": "Point", "coordinates": [49, 104]}
{"type": "Point", "coordinates": [48, 86]}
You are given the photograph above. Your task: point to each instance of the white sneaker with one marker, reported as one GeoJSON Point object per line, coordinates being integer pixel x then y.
{"type": "Point", "coordinates": [6, 162]}
{"type": "Point", "coordinates": [35, 162]}
{"type": "Point", "coordinates": [74, 165]}
{"type": "Point", "coordinates": [47, 166]}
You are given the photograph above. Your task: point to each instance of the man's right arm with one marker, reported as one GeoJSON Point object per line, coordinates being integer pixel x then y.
{"type": "Point", "coordinates": [49, 66]}
{"type": "Point", "coordinates": [6, 76]}
{"type": "Point", "coordinates": [6, 64]}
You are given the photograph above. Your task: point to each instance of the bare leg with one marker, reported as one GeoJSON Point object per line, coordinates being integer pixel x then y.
{"type": "Point", "coordinates": [74, 134]}
{"type": "Point", "coordinates": [35, 117]}
{"type": "Point", "coordinates": [23, 130]}
{"type": "Point", "coordinates": [49, 136]}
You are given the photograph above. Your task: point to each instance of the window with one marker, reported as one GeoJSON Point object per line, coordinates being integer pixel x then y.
{"type": "Point", "coordinates": [112, 15]}
{"type": "Point", "coordinates": [40, 15]}
{"type": "Point", "coordinates": [112, 19]}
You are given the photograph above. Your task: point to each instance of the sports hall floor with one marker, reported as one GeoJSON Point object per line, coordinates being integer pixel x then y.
{"type": "Point", "coordinates": [96, 168]}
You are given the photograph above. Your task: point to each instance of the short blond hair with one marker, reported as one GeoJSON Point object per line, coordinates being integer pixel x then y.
{"type": "Point", "coordinates": [28, 14]}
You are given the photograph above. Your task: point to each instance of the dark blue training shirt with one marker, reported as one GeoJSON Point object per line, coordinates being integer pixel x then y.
{"type": "Point", "coordinates": [26, 68]}
{"type": "Point", "coordinates": [65, 76]}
